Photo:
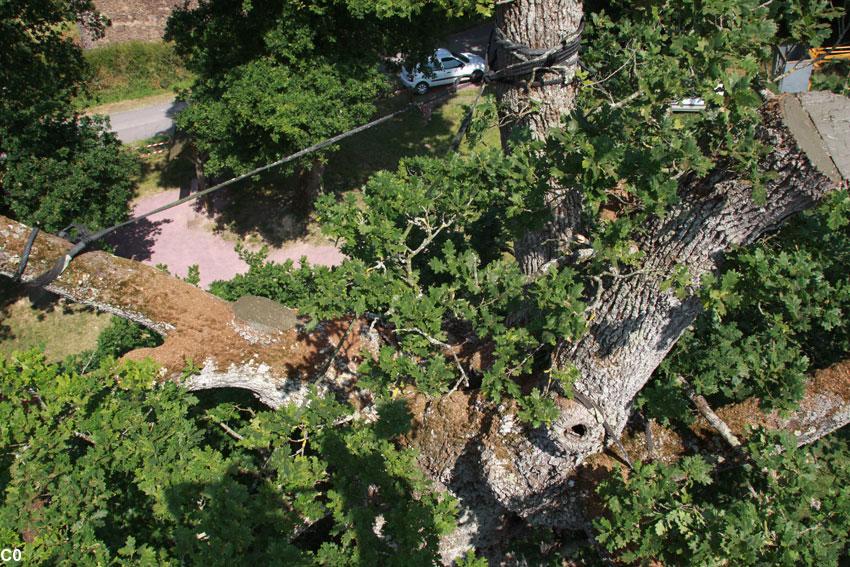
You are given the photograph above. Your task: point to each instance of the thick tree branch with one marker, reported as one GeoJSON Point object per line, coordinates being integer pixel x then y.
{"type": "Point", "coordinates": [824, 408]}
{"type": "Point", "coordinates": [276, 364]}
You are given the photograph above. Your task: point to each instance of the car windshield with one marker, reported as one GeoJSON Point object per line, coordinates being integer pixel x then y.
{"type": "Point", "coordinates": [461, 56]}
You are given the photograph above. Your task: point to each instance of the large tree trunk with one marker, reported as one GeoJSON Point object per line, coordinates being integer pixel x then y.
{"type": "Point", "coordinates": [310, 181]}
{"type": "Point", "coordinates": [537, 24]}
{"type": "Point", "coordinates": [536, 109]}
{"type": "Point", "coordinates": [639, 320]}
{"type": "Point", "coordinates": [455, 456]}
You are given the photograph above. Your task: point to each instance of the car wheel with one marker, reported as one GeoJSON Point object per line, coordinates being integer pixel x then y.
{"type": "Point", "coordinates": [421, 88]}
{"type": "Point", "coordinates": [477, 76]}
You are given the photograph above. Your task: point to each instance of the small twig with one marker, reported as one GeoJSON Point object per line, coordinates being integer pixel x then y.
{"type": "Point", "coordinates": [84, 437]}
{"type": "Point", "coordinates": [798, 67]}
{"type": "Point", "coordinates": [346, 419]}
{"type": "Point", "coordinates": [431, 233]}
{"type": "Point", "coordinates": [230, 431]}
{"type": "Point", "coordinates": [38, 399]}
{"type": "Point", "coordinates": [647, 430]}
{"type": "Point", "coordinates": [86, 367]}
{"type": "Point", "coordinates": [306, 525]}
{"type": "Point", "coordinates": [603, 553]}
{"type": "Point", "coordinates": [464, 379]}
{"type": "Point", "coordinates": [708, 413]}
{"type": "Point", "coordinates": [620, 104]}
{"type": "Point", "coordinates": [247, 410]}
{"type": "Point", "coordinates": [623, 66]}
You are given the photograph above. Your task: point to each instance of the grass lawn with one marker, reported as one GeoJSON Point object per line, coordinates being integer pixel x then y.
{"type": "Point", "coordinates": [40, 319]}
{"type": "Point", "coordinates": [161, 174]}
{"type": "Point", "coordinates": [409, 135]}
{"type": "Point", "coordinates": [132, 70]}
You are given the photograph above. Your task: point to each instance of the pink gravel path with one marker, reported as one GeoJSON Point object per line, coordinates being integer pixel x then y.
{"type": "Point", "coordinates": [180, 237]}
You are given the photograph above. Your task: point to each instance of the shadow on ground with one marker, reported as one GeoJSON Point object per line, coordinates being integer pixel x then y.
{"type": "Point", "coordinates": [41, 301]}
{"type": "Point", "coordinates": [159, 172]}
{"type": "Point", "coordinates": [11, 292]}
{"type": "Point", "coordinates": [137, 240]}
{"type": "Point", "coordinates": [274, 207]}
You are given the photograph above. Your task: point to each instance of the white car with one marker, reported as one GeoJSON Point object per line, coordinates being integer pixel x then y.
{"type": "Point", "coordinates": [688, 105]}
{"type": "Point", "coordinates": [443, 68]}
{"type": "Point", "coordinates": [693, 104]}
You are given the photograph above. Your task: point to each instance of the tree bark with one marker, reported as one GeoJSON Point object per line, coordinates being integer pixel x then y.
{"type": "Point", "coordinates": [639, 319]}
{"type": "Point", "coordinates": [536, 110]}
{"type": "Point", "coordinates": [537, 24]}
{"type": "Point", "coordinates": [451, 452]}
{"type": "Point", "coordinates": [200, 175]}
{"type": "Point", "coordinates": [824, 408]}
{"type": "Point", "coordinates": [311, 182]}
{"type": "Point", "coordinates": [709, 414]}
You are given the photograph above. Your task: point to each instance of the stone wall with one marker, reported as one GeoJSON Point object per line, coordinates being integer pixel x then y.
{"type": "Point", "coordinates": [132, 20]}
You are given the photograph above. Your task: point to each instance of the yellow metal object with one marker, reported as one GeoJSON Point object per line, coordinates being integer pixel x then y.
{"type": "Point", "coordinates": [821, 55]}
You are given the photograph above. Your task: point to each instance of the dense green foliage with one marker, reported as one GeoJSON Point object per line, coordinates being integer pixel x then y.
{"type": "Point", "coordinates": [650, 54]}
{"type": "Point", "coordinates": [108, 468]}
{"type": "Point", "coordinates": [57, 166]}
{"type": "Point", "coordinates": [833, 76]}
{"type": "Point", "coordinates": [275, 77]}
{"type": "Point", "coordinates": [106, 464]}
{"type": "Point", "coordinates": [78, 172]}
{"type": "Point", "coordinates": [782, 506]}
{"type": "Point", "coordinates": [116, 340]}
{"type": "Point", "coordinates": [425, 246]}
{"type": "Point", "coordinates": [133, 69]}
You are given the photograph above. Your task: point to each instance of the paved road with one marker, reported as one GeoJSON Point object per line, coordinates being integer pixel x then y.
{"type": "Point", "coordinates": [146, 122]}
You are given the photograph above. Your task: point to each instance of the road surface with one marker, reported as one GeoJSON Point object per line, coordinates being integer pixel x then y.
{"type": "Point", "coordinates": [474, 40]}
{"type": "Point", "coordinates": [145, 122]}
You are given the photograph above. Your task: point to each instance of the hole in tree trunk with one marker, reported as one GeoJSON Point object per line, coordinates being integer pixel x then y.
{"type": "Point", "coordinates": [579, 430]}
